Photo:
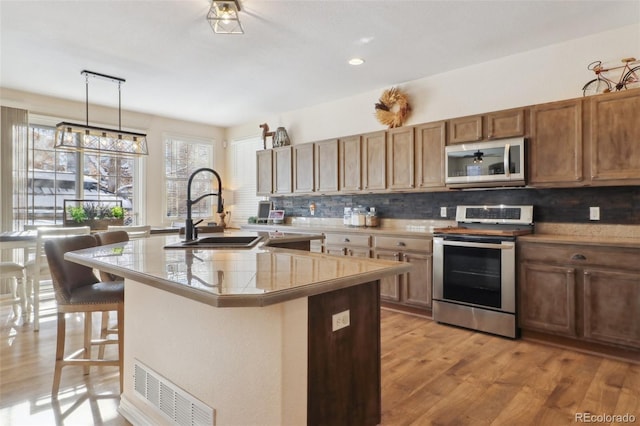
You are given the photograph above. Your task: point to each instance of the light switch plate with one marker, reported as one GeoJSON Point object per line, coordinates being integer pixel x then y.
{"type": "Point", "coordinates": [594, 213]}
{"type": "Point", "coordinates": [340, 320]}
{"type": "Point", "coordinates": [443, 212]}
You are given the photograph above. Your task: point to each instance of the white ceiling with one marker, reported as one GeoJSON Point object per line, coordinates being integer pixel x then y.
{"type": "Point", "coordinates": [293, 54]}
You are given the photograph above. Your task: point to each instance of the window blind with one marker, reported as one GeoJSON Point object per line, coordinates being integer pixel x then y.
{"type": "Point", "coordinates": [243, 180]}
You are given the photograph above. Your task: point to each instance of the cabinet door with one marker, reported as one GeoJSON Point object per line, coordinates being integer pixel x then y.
{"type": "Point", "coordinates": [556, 144]}
{"type": "Point", "coordinates": [417, 283]}
{"type": "Point", "coordinates": [282, 181]}
{"type": "Point", "coordinates": [400, 158]}
{"type": "Point", "coordinates": [389, 286]}
{"type": "Point", "coordinates": [374, 163]}
{"type": "Point", "coordinates": [465, 129]}
{"type": "Point", "coordinates": [327, 166]}
{"type": "Point", "coordinates": [505, 124]}
{"type": "Point", "coordinates": [264, 172]}
{"type": "Point", "coordinates": [303, 164]}
{"type": "Point", "coordinates": [547, 298]}
{"type": "Point", "coordinates": [612, 306]}
{"type": "Point", "coordinates": [430, 141]}
{"type": "Point", "coordinates": [615, 138]}
{"type": "Point", "coordinates": [350, 164]}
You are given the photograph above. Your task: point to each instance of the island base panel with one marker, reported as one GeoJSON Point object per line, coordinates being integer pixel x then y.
{"type": "Point", "coordinates": [344, 365]}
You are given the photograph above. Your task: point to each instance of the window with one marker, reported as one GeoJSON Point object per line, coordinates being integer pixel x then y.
{"type": "Point", "coordinates": [55, 175]}
{"type": "Point", "coordinates": [243, 179]}
{"type": "Point", "coordinates": [183, 157]}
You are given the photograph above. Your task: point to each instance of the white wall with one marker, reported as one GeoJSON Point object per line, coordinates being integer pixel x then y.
{"type": "Point", "coordinates": [552, 73]}
{"type": "Point", "coordinates": [154, 126]}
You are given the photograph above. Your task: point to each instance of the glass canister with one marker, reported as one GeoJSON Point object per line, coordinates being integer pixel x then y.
{"type": "Point", "coordinates": [347, 216]}
{"type": "Point", "coordinates": [372, 217]}
{"type": "Point", "coordinates": [358, 216]}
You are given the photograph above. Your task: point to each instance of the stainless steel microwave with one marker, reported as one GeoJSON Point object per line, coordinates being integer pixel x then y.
{"type": "Point", "coordinates": [494, 163]}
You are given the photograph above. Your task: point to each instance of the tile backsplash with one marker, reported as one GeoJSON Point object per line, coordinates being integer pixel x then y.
{"type": "Point", "coordinates": [618, 205]}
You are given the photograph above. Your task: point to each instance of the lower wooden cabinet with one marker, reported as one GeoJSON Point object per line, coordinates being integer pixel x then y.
{"type": "Point", "coordinates": [590, 293]}
{"type": "Point", "coordinates": [412, 289]}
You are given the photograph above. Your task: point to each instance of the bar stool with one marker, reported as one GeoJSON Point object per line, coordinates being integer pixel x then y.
{"type": "Point", "coordinates": [77, 290]}
{"type": "Point", "coordinates": [103, 239]}
{"type": "Point", "coordinates": [134, 231]}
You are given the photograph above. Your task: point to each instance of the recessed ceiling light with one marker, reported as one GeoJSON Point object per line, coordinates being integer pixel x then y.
{"type": "Point", "coordinates": [356, 61]}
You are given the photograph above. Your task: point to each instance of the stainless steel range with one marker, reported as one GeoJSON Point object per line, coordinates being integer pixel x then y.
{"type": "Point", "coordinates": [474, 268]}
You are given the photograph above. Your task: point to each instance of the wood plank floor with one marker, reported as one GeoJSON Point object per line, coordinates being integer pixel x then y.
{"type": "Point", "coordinates": [431, 375]}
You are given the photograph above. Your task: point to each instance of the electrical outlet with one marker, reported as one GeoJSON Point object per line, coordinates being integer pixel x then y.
{"type": "Point", "coordinates": [443, 212]}
{"type": "Point", "coordinates": [594, 213]}
{"type": "Point", "coordinates": [340, 320]}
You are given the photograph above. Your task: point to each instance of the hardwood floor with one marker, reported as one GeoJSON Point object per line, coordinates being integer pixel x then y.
{"type": "Point", "coordinates": [431, 375]}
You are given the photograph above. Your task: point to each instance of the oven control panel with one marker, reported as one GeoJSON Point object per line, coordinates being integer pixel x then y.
{"type": "Point", "coordinates": [499, 214]}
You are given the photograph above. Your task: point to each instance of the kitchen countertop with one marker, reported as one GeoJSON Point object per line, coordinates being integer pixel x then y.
{"type": "Point", "coordinates": [560, 233]}
{"type": "Point", "coordinates": [253, 277]}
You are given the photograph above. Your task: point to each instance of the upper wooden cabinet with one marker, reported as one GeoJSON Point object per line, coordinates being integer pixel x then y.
{"type": "Point", "coordinates": [350, 157]}
{"type": "Point", "coordinates": [556, 144]}
{"type": "Point", "coordinates": [303, 168]}
{"type": "Point", "coordinates": [327, 166]}
{"type": "Point", "coordinates": [465, 129]}
{"type": "Point", "coordinates": [586, 141]}
{"type": "Point", "coordinates": [400, 158]}
{"type": "Point", "coordinates": [494, 125]}
{"type": "Point", "coordinates": [264, 172]}
{"type": "Point", "coordinates": [615, 138]}
{"type": "Point", "coordinates": [374, 163]}
{"type": "Point", "coordinates": [282, 178]}
{"type": "Point", "coordinates": [430, 140]}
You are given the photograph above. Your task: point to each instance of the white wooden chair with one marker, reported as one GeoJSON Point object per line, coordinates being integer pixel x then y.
{"type": "Point", "coordinates": [17, 273]}
{"type": "Point", "coordinates": [37, 267]}
{"type": "Point", "coordinates": [134, 231]}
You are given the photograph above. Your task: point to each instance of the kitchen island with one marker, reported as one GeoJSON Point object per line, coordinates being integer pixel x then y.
{"type": "Point", "coordinates": [261, 335]}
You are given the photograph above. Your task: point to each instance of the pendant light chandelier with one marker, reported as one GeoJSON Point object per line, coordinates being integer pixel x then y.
{"type": "Point", "coordinates": [223, 17]}
{"type": "Point", "coordinates": [83, 137]}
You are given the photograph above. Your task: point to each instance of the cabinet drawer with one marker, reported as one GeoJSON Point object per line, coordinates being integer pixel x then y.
{"type": "Point", "coordinates": [567, 254]}
{"type": "Point", "coordinates": [403, 243]}
{"type": "Point", "coordinates": [347, 240]}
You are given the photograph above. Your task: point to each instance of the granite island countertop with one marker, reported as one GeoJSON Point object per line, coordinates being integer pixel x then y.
{"type": "Point", "coordinates": [253, 277]}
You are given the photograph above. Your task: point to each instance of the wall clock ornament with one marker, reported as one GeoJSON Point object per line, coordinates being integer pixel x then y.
{"type": "Point", "coordinates": [392, 108]}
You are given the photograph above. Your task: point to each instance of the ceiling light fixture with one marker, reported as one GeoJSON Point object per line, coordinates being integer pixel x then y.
{"type": "Point", "coordinates": [223, 17]}
{"type": "Point", "coordinates": [356, 61]}
{"type": "Point", "coordinates": [477, 157]}
{"type": "Point", "coordinates": [83, 137]}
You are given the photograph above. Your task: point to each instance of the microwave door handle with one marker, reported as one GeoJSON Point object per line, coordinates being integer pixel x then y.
{"type": "Point", "coordinates": [507, 168]}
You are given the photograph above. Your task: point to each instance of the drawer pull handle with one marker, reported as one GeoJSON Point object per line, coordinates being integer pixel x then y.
{"type": "Point", "coordinates": [346, 240]}
{"type": "Point", "coordinates": [401, 244]}
{"type": "Point", "coordinates": [578, 257]}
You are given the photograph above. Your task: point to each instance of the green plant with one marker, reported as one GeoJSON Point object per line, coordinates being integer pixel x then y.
{"type": "Point", "coordinates": [253, 219]}
{"type": "Point", "coordinates": [78, 213]}
{"type": "Point", "coordinates": [117, 212]}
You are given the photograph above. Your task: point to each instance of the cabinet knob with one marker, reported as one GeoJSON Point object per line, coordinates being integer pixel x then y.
{"type": "Point", "coordinates": [401, 244]}
{"type": "Point", "coordinates": [578, 257]}
{"type": "Point", "coordinates": [346, 240]}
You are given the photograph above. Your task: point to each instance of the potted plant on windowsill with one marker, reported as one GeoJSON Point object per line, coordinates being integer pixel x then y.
{"type": "Point", "coordinates": [96, 214]}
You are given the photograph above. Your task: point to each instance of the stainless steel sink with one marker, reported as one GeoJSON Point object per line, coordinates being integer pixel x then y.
{"type": "Point", "coordinates": [220, 242]}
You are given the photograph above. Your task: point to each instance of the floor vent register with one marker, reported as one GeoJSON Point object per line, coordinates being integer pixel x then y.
{"type": "Point", "coordinates": [174, 403]}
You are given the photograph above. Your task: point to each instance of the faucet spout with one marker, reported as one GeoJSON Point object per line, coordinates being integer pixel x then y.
{"type": "Point", "coordinates": [189, 226]}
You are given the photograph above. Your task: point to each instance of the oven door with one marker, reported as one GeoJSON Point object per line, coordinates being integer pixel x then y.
{"type": "Point", "coordinates": [475, 271]}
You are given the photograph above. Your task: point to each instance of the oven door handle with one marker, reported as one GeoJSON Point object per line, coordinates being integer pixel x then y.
{"type": "Point", "coordinates": [478, 245]}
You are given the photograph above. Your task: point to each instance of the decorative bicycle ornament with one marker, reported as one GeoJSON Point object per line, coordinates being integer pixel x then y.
{"type": "Point", "coordinates": [392, 108]}
{"type": "Point", "coordinates": [629, 77]}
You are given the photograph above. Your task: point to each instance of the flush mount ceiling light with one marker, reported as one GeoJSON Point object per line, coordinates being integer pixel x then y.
{"type": "Point", "coordinates": [356, 61]}
{"type": "Point", "coordinates": [83, 137]}
{"type": "Point", "coordinates": [223, 17]}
